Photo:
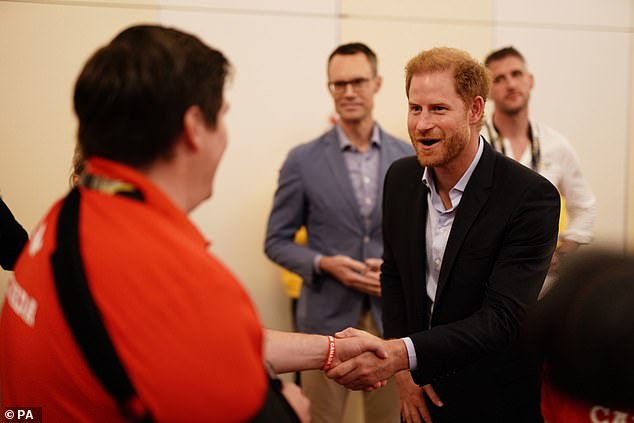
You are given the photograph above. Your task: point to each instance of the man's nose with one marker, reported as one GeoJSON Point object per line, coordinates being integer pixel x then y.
{"type": "Point", "coordinates": [348, 90]}
{"type": "Point", "coordinates": [511, 82]}
{"type": "Point", "coordinates": [423, 123]}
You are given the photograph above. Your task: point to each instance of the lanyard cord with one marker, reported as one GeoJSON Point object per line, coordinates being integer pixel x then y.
{"type": "Point", "coordinates": [110, 186]}
{"type": "Point", "coordinates": [498, 143]}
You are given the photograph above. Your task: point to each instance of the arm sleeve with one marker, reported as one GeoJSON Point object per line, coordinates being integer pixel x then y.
{"type": "Point", "coordinates": [580, 203]}
{"type": "Point", "coordinates": [288, 214]}
{"type": "Point", "coordinates": [394, 314]}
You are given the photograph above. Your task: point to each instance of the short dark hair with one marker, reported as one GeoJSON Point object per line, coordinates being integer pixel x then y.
{"type": "Point", "coordinates": [586, 328]}
{"type": "Point", "coordinates": [354, 48]}
{"type": "Point", "coordinates": [131, 96]}
{"type": "Point", "coordinates": [503, 53]}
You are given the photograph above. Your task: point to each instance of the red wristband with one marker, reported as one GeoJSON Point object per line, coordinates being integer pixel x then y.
{"type": "Point", "coordinates": [330, 356]}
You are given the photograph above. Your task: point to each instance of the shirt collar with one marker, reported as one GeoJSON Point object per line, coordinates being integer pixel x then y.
{"type": "Point", "coordinates": [456, 192]}
{"type": "Point", "coordinates": [344, 141]}
{"type": "Point", "coordinates": [153, 196]}
{"type": "Point", "coordinates": [462, 183]}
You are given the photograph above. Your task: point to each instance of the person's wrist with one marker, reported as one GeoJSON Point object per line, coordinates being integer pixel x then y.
{"type": "Point", "coordinates": [402, 377]}
{"type": "Point", "coordinates": [398, 354]}
{"type": "Point", "coordinates": [317, 264]}
{"type": "Point", "coordinates": [330, 354]}
{"type": "Point", "coordinates": [322, 263]}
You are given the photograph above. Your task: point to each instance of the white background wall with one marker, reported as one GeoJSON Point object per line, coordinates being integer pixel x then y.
{"type": "Point", "coordinates": [580, 52]}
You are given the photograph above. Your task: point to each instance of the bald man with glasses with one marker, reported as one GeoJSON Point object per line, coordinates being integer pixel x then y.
{"type": "Point", "coordinates": [333, 186]}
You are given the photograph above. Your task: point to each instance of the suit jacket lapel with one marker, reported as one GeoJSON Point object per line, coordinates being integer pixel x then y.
{"type": "Point", "coordinates": [473, 199]}
{"type": "Point", "coordinates": [418, 251]}
{"type": "Point", "coordinates": [340, 172]}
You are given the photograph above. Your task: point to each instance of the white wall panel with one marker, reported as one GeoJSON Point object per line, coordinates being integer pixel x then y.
{"type": "Point", "coordinates": [278, 99]}
{"type": "Point", "coordinates": [449, 10]}
{"type": "Point", "coordinates": [268, 7]}
{"type": "Point", "coordinates": [612, 14]}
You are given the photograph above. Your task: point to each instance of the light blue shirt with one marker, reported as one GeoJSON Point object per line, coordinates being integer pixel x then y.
{"type": "Point", "coordinates": [439, 223]}
{"type": "Point", "coordinates": [363, 169]}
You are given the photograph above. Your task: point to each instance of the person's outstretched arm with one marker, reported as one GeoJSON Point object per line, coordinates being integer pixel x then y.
{"type": "Point", "coordinates": [288, 351]}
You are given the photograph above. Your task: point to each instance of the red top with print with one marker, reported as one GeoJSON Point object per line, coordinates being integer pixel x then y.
{"type": "Point", "coordinates": [183, 326]}
{"type": "Point", "coordinates": [560, 408]}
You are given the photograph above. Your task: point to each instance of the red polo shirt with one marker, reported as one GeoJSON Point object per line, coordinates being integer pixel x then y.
{"type": "Point", "coordinates": [183, 326]}
{"type": "Point", "coordinates": [558, 407]}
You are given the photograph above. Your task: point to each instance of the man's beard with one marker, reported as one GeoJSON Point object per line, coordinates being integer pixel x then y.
{"type": "Point", "coordinates": [453, 146]}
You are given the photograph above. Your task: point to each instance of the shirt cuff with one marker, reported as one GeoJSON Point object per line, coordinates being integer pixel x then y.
{"type": "Point", "coordinates": [411, 353]}
{"type": "Point", "coordinates": [316, 263]}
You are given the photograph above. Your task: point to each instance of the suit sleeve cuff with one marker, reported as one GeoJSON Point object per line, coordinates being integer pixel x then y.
{"type": "Point", "coordinates": [316, 263]}
{"type": "Point", "coordinates": [411, 353]}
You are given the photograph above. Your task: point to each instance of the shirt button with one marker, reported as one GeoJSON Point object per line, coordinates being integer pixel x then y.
{"type": "Point", "coordinates": [366, 239]}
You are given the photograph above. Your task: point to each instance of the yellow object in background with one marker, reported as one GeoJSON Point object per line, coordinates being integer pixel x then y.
{"type": "Point", "coordinates": [292, 281]}
{"type": "Point", "coordinates": [563, 216]}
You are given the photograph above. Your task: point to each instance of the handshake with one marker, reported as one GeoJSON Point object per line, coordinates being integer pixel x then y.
{"type": "Point", "coordinates": [363, 361]}
{"type": "Point", "coordinates": [353, 358]}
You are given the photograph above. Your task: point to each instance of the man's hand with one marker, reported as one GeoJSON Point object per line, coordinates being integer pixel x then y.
{"type": "Point", "coordinates": [413, 406]}
{"type": "Point", "coordinates": [348, 348]}
{"type": "Point", "coordinates": [296, 398]}
{"type": "Point", "coordinates": [355, 274]}
{"type": "Point", "coordinates": [373, 268]}
{"type": "Point", "coordinates": [366, 370]}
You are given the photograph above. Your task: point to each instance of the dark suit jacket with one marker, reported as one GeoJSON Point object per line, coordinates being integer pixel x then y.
{"type": "Point", "coordinates": [13, 237]}
{"type": "Point", "coordinates": [496, 258]}
{"type": "Point", "coordinates": [315, 191]}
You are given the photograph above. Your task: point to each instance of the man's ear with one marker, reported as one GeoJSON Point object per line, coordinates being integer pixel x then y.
{"type": "Point", "coordinates": [476, 111]}
{"type": "Point", "coordinates": [193, 127]}
{"type": "Point", "coordinates": [531, 78]}
{"type": "Point", "coordinates": [378, 81]}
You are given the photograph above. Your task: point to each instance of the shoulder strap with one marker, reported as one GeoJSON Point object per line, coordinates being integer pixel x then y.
{"type": "Point", "coordinates": [84, 318]}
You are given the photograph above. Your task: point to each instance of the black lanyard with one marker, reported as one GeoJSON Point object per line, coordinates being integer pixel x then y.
{"type": "Point", "coordinates": [83, 315]}
{"type": "Point", "coordinates": [498, 144]}
{"type": "Point", "coordinates": [110, 186]}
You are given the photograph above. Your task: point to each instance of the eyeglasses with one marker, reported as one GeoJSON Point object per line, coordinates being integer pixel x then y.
{"type": "Point", "coordinates": [339, 87]}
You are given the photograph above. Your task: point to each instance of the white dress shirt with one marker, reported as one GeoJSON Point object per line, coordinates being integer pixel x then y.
{"type": "Point", "coordinates": [560, 165]}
